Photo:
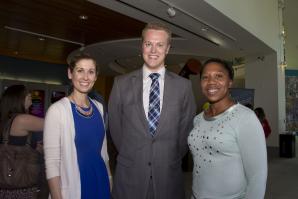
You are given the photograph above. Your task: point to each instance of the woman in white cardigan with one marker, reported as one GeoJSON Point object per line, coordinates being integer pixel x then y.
{"type": "Point", "coordinates": [74, 139]}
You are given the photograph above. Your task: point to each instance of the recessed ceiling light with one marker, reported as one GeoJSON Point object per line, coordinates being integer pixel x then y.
{"type": "Point", "coordinates": [83, 17]}
{"type": "Point", "coordinates": [204, 29]}
{"type": "Point", "coordinates": [171, 12]}
{"type": "Point", "coordinates": [82, 48]}
{"type": "Point", "coordinates": [41, 38]}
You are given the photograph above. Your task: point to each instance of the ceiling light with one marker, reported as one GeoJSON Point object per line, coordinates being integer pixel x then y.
{"type": "Point", "coordinates": [41, 38]}
{"type": "Point", "coordinates": [283, 64]}
{"type": "Point", "coordinates": [185, 12]}
{"type": "Point", "coordinates": [83, 17]}
{"type": "Point", "coordinates": [82, 48]}
{"type": "Point", "coordinates": [204, 29]}
{"type": "Point", "coordinates": [171, 11]}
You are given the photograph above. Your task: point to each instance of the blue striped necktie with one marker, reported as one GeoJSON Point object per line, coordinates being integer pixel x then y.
{"type": "Point", "coordinates": [154, 103]}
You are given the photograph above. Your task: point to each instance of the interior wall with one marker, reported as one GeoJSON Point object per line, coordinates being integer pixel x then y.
{"type": "Point", "coordinates": [262, 75]}
{"type": "Point", "coordinates": [34, 71]}
{"type": "Point", "coordinates": [290, 14]}
{"type": "Point", "coordinates": [261, 18]}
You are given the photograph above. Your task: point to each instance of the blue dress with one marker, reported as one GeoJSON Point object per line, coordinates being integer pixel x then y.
{"type": "Point", "coordinates": [89, 135]}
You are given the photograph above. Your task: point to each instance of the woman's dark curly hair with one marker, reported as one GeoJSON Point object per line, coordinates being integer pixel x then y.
{"type": "Point", "coordinates": [12, 102]}
{"type": "Point", "coordinates": [221, 62]}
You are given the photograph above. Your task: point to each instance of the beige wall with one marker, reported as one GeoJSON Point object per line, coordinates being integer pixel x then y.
{"type": "Point", "coordinates": [261, 75]}
{"type": "Point", "coordinates": [261, 18]}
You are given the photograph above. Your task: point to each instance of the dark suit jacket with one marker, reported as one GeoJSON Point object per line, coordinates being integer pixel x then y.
{"type": "Point", "coordinates": [142, 156]}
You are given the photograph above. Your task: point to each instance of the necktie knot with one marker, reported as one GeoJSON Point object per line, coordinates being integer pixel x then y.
{"type": "Point", "coordinates": [154, 76]}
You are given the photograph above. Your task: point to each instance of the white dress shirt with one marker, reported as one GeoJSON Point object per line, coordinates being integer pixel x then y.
{"type": "Point", "coordinates": [147, 84]}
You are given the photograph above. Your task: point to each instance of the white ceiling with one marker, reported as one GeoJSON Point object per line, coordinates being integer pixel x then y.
{"type": "Point", "coordinates": [224, 38]}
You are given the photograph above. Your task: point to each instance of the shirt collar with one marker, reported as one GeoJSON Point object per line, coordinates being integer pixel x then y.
{"type": "Point", "coordinates": [147, 72]}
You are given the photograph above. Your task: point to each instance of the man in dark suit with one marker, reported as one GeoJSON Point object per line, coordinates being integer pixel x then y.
{"type": "Point", "coordinates": [150, 116]}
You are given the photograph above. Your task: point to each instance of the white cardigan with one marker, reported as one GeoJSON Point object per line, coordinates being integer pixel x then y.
{"type": "Point", "coordinates": [59, 147]}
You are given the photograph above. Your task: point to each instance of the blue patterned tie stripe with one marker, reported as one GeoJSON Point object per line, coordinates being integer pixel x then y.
{"type": "Point", "coordinates": [154, 103]}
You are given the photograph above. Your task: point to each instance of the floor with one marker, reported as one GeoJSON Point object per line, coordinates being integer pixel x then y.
{"type": "Point", "coordinates": [282, 182]}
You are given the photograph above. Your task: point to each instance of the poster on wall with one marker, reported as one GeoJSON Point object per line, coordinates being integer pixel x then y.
{"type": "Point", "coordinates": [291, 103]}
{"type": "Point", "coordinates": [243, 95]}
{"type": "Point", "coordinates": [38, 103]}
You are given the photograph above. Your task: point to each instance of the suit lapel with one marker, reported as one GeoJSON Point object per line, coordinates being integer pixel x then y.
{"type": "Point", "coordinates": [167, 94]}
{"type": "Point", "coordinates": [137, 82]}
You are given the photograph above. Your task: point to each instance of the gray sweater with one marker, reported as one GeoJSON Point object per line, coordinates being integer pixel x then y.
{"type": "Point", "coordinates": [229, 153]}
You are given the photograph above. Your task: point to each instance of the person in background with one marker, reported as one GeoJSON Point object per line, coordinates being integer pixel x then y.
{"type": "Point", "coordinates": [150, 117]}
{"type": "Point", "coordinates": [262, 117]}
{"type": "Point", "coordinates": [75, 144]}
{"type": "Point", "coordinates": [15, 103]}
{"type": "Point", "coordinates": [227, 142]}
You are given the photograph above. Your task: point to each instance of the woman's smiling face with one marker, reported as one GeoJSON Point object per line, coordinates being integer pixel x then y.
{"type": "Point", "coordinates": [215, 82]}
{"type": "Point", "coordinates": [83, 75]}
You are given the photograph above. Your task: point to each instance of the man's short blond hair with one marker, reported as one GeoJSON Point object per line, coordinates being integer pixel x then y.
{"type": "Point", "coordinates": [157, 26]}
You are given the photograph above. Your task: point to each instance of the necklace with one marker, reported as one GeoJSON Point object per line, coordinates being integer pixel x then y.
{"type": "Point", "coordinates": [86, 112]}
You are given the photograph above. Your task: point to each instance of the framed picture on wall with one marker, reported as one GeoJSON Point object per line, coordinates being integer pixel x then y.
{"type": "Point", "coordinates": [38, 103]}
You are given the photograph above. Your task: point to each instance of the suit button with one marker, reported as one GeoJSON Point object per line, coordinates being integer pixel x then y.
{"type": "Point", "coordinates": [149, 163]}
{"type": "Point", "coordinates": [150, 177]}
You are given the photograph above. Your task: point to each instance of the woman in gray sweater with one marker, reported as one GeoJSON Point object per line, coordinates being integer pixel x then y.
{"type": "Point", "coordinates": [227, 142]}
